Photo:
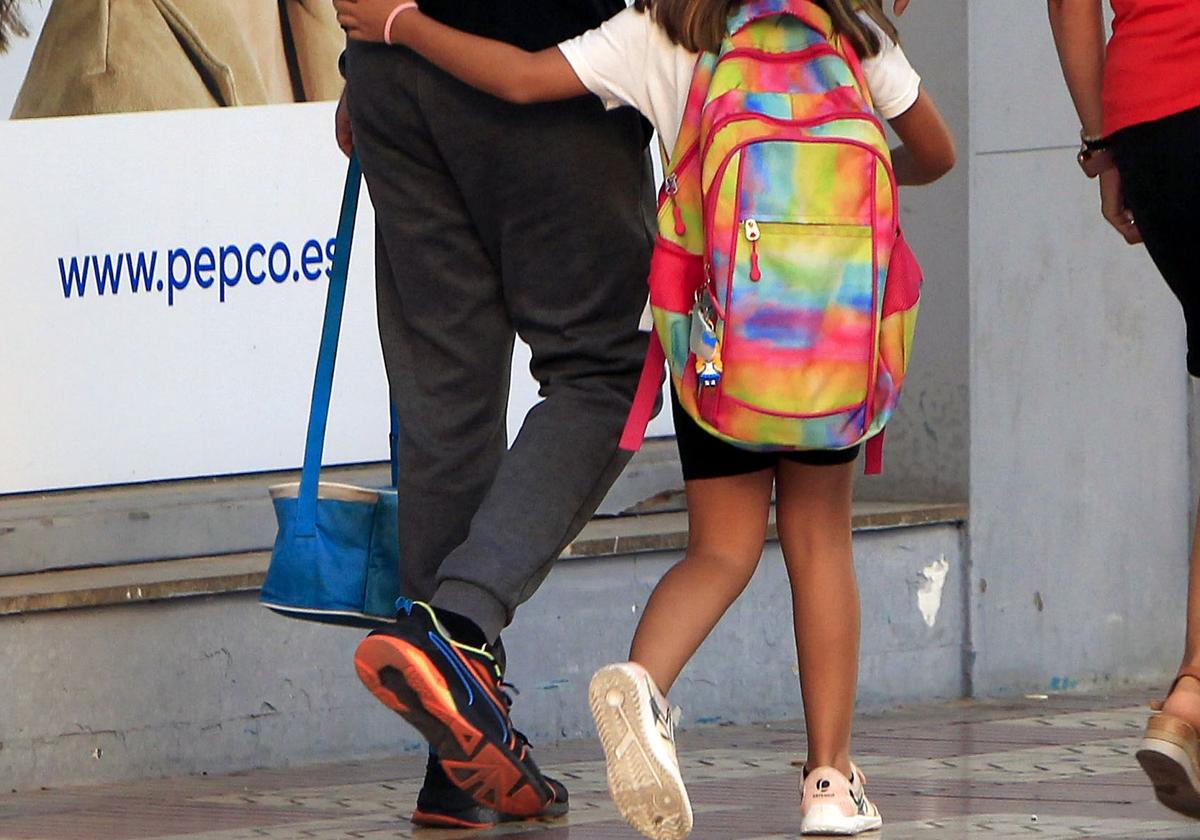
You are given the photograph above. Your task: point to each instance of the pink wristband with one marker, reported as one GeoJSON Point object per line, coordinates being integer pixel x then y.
{"type": "Point", "coordinates": [387, 27]}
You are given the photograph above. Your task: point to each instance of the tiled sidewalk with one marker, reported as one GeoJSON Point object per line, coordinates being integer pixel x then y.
{"type": "Point", "coordinates": [1055, 768]}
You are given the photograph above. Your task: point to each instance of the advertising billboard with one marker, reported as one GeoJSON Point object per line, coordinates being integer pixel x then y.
{"type": "Point", "coordinates": [169, 188]}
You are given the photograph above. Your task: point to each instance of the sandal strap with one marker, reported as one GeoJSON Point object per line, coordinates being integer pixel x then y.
{"type": "Point", "coordinates": [1186, 671]}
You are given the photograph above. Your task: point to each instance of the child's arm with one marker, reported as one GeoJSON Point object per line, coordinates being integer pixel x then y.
{"type": "Point", "coordinates": [498, 68]}
{"type": "Point", "coordinates": [928, 152]}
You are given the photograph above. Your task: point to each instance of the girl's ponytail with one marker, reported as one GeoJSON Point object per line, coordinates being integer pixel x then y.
{"type": "Point", "coordinates": [846, 21]}
{"type": "Point", "coordinates": [699, 25]}
{"type": "Point", "coordinates": [696, 25]}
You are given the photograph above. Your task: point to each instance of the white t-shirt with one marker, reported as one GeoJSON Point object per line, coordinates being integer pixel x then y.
{"type": "Point", "coordinates": [629, 60]}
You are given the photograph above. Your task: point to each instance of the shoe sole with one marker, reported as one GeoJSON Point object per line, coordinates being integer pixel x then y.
{"type": "Point", "coordinates": [433, 819]}
{"type": "Point", "coordinates": [403, 678]}
{"type": "Point", "coordinates": [834, 830]}
{"type": "Point", "coordinates": [1169, 767]}
{"type": "Point", "coordinates": [828, 820]}
{"type": "Point", "coordinates": [425, 819]}
{"type": "Point", "coordinates": [649, 795]}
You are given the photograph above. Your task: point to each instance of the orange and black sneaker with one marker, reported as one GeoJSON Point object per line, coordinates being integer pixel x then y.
{"type": "Point", "coordinates": [454, 696]}
{"type": "Point", "coordinates": [441, 804]}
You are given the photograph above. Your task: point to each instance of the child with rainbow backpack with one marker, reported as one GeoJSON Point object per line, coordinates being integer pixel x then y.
{"type": "Point", "coordinates": [784, 300]}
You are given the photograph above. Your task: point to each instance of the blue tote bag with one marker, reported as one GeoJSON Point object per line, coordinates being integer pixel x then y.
{"type": "Point", "coordinates": [337, 555]}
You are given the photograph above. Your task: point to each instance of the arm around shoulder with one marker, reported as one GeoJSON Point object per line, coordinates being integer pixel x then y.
{"type": "Point", "coordinates": [501, 69]}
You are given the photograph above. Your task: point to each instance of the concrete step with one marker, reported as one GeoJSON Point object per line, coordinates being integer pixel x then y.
{"type": "Point", "coordinates": [98, 586]}
{"type": "Point", "coordinates": [223, 515]}
{"type": "Point", "coordinates": [102, 683]}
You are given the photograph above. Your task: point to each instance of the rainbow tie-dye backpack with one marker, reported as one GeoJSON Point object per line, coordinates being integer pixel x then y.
{"type": "Point", "coordinates": [784, 296]}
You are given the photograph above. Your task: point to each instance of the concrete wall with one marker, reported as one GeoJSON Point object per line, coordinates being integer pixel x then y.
{"type": "Point", "coordinates": [219, 684]}
{"type": "Point", "coordinates": [1079, 452]}
{"type": "Point", "coordinates": [927, 448]}
{"type": "Point", "coordinates": [927, 455]}
{"type": "Point", "coordinates": [1080, 494]}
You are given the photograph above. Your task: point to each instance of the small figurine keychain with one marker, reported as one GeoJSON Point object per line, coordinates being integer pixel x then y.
{"type": "Point", "coordinates": [704, 343]}
{"type": "Point", "coordinates": [708, 373]}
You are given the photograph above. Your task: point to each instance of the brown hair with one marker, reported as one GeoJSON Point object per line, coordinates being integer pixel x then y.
{"type": "Point", "coordinates": [699, 25]}
{"type": "Point", "coordinates": [10, 23]}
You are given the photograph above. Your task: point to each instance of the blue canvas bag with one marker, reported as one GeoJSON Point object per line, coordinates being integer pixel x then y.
{"type": "Point", "coordinates": [337, 555]}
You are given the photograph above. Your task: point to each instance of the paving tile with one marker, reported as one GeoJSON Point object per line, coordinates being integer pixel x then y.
{"type": "Point", "coordinates": [1043, 828]}
{"type": "Point", "coordinates": [1042, 768]}
{"type": "Point", "coordinates": [1133, 718]}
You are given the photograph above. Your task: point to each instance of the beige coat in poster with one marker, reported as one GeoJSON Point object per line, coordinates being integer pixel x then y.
{"type": "Point", "coordinates": [113, 56]}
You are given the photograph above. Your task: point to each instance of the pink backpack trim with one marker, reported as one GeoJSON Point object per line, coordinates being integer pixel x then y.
{"type": "Point", "coordinates": [646, 398]}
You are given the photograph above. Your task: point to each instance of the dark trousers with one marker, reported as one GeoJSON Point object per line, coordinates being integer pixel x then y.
{"type": "Point", "coordinates": [495, 220]}
{"type": "Point", "coordinates": [1160, 171]}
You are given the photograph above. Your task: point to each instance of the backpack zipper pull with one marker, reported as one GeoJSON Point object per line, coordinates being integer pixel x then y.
{"type": "Point", "coordinates": [672, 185]}
{"type": "Point", "coordinates": [753, 235]}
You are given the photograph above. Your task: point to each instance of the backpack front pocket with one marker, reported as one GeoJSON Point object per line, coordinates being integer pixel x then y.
{"type": "Point", "coordinates": [800, 317]}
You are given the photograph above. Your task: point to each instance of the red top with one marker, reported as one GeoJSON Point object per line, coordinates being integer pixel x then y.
{"type": "Point", "coordinates": [1153, 65]}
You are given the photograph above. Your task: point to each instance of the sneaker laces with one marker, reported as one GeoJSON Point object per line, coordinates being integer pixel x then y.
{"type": "Point", "coordinates": [506, 691]}
{"type": "Point", "coordinates": [674, 715]}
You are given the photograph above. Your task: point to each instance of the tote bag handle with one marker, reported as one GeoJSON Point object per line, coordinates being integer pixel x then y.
{"type": "Point", "coordinates": [318, 416]}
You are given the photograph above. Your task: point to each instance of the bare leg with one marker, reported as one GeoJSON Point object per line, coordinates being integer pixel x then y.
{"type": "Point", "coordinates": [727, 526]}
{"type": "Point", "coordinates": [1184, 701]}
{"type": "Point", "coordinates": [813, 514]}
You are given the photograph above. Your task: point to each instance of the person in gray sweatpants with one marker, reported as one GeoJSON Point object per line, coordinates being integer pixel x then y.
{"type": "Point", "coordinates": [493, 221]}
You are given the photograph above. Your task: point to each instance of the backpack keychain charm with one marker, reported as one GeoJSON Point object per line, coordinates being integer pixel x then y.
{"type": "Point", "coordinates": [708, 374]}
{"type": "Point", "coordinates": [705, 343]}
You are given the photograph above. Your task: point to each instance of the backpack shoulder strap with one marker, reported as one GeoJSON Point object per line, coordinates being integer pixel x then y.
{"type": "Point", "coordinates": [874, 460]}
{"type": "Point", "coordinates": [645, 400]}
{"type": "Point", "coordinates": [689, 127]}
{"type": "Point", "coordinates": [847, 51]}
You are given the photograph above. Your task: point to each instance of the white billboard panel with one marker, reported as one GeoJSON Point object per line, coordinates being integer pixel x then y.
{"type": "Point", "coordinates": [164, 281]}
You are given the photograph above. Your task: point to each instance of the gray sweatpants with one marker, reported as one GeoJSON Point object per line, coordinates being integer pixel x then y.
{"type": "Point", "coordinates": [494, 220]}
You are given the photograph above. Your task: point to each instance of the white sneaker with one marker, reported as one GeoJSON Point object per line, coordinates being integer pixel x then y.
{"type": "Point", "coordinates": [831, 804]}
{"type": "Point", "coordinates": [637, 730]}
